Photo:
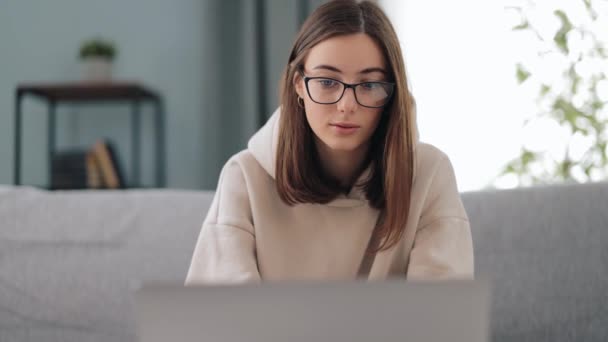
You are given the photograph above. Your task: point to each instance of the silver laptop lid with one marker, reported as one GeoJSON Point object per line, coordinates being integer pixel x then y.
{"type": "Point", "coordinates": [335, 312]}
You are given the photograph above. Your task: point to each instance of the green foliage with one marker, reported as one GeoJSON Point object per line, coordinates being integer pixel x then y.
{"type": "Point", "coordinates": [97, 47]}
{"type": "Point", "coordinates": [560, 38]}
{"type": "Point", "coordinates": [522, 74]}
{"type": "Point", "coordinates": [582, 118]}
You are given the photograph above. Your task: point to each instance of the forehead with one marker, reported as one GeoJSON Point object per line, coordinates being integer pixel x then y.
{"type": "Point", "coordinates": [349, 53]}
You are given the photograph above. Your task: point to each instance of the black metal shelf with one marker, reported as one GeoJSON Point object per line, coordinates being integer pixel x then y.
{"type": "Point", "coordinates": [90, 92]}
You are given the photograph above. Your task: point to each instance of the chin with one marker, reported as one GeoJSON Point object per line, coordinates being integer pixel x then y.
{"type": "Point", "coordinates": [343, 145]}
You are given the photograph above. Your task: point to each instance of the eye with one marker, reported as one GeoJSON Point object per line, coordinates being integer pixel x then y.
{"type": "Point", "coordinates": [370, 85]}
{"type": "Point", "coordinates": [326, 82]}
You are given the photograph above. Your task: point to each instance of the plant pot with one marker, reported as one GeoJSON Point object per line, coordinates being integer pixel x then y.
{"type": "Point", "coordinates": [97, 69]}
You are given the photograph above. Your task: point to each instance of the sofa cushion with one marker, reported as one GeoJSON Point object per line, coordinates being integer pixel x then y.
{"type": "Point", "coordinates": [69, 260]}
{"type": "Point", "coordinates": [545, 250]}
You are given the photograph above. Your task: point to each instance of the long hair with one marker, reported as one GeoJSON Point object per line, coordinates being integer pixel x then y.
{"type": "Point", "coordinates": [391, 155]}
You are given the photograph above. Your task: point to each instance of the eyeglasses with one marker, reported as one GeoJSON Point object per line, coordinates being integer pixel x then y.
{"type": "Point", "coordinates": [325, 90]}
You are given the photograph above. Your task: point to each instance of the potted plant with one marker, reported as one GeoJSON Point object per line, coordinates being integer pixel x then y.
{"type": "Point", "coordinates": [97, 55]}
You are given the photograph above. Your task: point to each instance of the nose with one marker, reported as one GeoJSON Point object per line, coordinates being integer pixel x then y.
{"type": "Point", "coordinates": [348, 102]}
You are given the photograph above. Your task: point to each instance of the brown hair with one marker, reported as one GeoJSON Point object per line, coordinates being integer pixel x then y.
{"type": "Point", "coordinates": [391, 156]}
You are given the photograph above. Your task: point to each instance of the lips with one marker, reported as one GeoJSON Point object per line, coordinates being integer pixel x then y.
{"type": "Point", "coordinates": [344, 125]}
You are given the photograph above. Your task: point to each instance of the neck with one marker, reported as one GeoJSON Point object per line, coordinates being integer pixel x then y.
{"type": "Point", "coordinates": [345, 166]}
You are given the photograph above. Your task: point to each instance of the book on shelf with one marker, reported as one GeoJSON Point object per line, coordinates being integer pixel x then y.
{"type": "Point", "coordinates": [97, 167]}
{"type": "Point", "coordinates": [106, 158]}
{"type": "Point", "coordinates": [94, 177]}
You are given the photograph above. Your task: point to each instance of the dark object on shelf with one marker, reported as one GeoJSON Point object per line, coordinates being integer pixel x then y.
{"type": "Point", "coordinates": [96, 168]}
{"type": "Point", "coordinates": [69, 170]}
{"type": "Point", "coordinates": [79, 92]}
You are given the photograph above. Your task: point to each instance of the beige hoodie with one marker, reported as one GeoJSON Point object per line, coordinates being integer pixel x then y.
{"type": "Point", "coordinates": [250, 235]}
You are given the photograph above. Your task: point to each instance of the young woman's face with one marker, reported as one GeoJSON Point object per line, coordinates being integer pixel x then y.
{"type": "Point", "coordinates": [346, 125]}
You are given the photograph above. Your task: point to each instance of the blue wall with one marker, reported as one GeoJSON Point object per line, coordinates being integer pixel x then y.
{"type": "Point", "coordinates": [199, 54]}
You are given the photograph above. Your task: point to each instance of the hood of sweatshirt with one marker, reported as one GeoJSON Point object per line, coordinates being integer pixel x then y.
{"type": "Point", "coordinates": [263, 144]}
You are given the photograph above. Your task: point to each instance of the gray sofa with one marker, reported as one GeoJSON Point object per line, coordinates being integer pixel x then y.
{"type": "Point", "coordinates": [69, 261]}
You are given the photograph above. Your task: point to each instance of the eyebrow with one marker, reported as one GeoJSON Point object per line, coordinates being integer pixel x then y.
{"type": "Point", "coordinates": [364, 71]}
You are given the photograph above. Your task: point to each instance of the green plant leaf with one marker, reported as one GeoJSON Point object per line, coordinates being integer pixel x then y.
{"type": "Point", "coordinates": [527, 157]}
{"type": "Point", "coordinates": [509, 168]}
{"type": "Point", "coordinates": [602, 148]}
{"type": "Point", "coordinates": [574, 78]}
{"type": "Point", "coordinates": [521, 74]}
{"type": "Point", "coordinates": [559, 110]}
{"type": "Point", "coordinates": [544, 90]}
{"type": "Point", "coordinates": [570, 113]}
{"type": "Point", "coordinates": [564, 169]}
{"type": "Point", "coordinates": [524, 25]}
{"type": "Point", "coordinates": [560, 37]}
{"type": "Point", "coordinates": [597, 125]}
{"type": "Point", "coordinates": [597, 105]}
{"type": "Point", "coordinates": [590, 10]}
{"type": "Point", "coordinates": [587, 170]}
{"type": "Point", "coordinates": [97, 47]}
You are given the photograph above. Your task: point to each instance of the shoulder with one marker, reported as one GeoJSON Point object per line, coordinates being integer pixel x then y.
{"type": "Point", "coordinates": [433, 170]}
{"type": "Point", "coordinates": [241, 181]}
{"type": "Point", "coordinates": [239, 162]}
{"type": "Point", "coordinates": [435, 183]}
{"type": "Point", "coordinates": [231, 204]}
{"type": "Point", "coordinates": [240, 169]}
{"type": "Point", "coordinates": [428, 159]}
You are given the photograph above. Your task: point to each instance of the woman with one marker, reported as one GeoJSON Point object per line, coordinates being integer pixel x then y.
{"type": "Point", "coordinates": [336, 185]}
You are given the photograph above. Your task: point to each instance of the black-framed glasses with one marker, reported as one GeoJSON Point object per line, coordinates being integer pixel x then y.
{"type": "Point", "coordinates": [325, 90]}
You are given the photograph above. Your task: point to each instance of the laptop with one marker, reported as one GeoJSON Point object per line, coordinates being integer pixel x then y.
{"type": "Point", "coordinates": [357, 311]}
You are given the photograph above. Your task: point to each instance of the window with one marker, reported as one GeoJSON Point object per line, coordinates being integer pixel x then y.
{"type": "Point", "coordinates": [461, 58]}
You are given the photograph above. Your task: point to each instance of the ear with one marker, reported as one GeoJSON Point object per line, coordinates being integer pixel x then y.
{"type": "Point", "coordinates": [298, 84]}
